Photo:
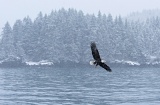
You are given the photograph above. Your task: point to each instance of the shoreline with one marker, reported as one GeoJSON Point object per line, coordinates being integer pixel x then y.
{"type": "Point", "coordinates": [16, 65]}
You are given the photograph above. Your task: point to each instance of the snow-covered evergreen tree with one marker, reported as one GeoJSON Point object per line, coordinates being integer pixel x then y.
{"type": "Point", "coordinates": [7, 48]}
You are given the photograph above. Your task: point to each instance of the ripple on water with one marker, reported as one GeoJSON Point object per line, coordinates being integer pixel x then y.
{"type": "Point", "coordinates": [61, 86]}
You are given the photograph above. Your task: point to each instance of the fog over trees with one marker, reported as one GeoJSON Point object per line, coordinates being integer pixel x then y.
{"type": "Point", "coordinates": [64, 36]}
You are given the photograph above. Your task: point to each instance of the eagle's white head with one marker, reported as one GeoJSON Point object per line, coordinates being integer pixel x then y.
{"type": "Point", "coordinates": [92, 62]}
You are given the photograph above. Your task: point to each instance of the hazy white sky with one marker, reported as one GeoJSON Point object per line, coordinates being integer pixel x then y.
{"type": "Point", "coordinates": [11, 10]}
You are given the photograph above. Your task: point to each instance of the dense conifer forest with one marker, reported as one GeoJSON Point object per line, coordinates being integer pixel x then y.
{"type": "Point", "coordinates": [64, 36]}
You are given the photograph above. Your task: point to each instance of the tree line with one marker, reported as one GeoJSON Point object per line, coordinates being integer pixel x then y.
{"type": "Point", "coordinates": [64, 36]}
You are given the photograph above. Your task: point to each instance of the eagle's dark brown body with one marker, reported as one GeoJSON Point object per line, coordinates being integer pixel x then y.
{"type": "Point", "coordinates": [97, 57]}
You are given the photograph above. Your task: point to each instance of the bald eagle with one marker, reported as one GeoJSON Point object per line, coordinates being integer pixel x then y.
{"type": "Point", "coordinates": [97, 58]}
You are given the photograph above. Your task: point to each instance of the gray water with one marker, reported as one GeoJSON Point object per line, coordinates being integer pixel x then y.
{"type": "Point", "coordinates": [84, 86]}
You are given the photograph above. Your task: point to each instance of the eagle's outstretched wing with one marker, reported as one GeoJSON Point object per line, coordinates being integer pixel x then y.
{"type": "Point", "coordinates": [95, 52]}
{"type": "Point", "coordinates": [103, 65]}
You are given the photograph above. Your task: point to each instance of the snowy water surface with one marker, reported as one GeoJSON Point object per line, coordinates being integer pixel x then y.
{"type": "Point", "coordinates": [83, 86]}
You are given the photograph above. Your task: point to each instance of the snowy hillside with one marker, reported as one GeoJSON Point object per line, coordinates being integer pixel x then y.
{"type": "Point", "coordinates": [64, 36]}
{"type": "Point", "coordinates": [144, 15]}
